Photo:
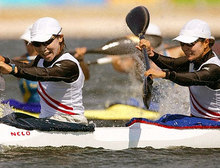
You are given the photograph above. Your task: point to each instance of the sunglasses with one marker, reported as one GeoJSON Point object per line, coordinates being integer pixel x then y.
{"type": "Point", "coordinates": [191, 44]}
{"type": "Point", "coordinates": [46, 43]}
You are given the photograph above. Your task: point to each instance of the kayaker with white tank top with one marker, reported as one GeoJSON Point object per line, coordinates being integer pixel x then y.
{"type": "Point", "coordinates": [59, 75]}
{"type": "Point", "coordinates": [199, 69]}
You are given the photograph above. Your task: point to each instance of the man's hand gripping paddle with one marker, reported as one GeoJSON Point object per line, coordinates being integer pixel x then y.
{"type": "Point", "coordinates": [138, 20]}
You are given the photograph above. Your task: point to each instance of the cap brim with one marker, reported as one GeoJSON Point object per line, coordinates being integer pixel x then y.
{"type": "Point", "coordinates": [41, 38]}
{"type": "Point", "coordinates": [186, 39]}
{"type": "Point", "coordinates": [26, 37]}
{"type": "Point", "coordinates": [212, 38]}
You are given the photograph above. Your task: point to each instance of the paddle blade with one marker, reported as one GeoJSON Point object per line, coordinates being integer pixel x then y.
{"type": "Point", "coordinates": [147, 91]}
{"type": "Point", "coordinates": [138, 20]}
{"type": "Point", "coordinates": [119, 46]}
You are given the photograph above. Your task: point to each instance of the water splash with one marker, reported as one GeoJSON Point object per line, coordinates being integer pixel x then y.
{"type": "Point", "coordinates": [173, 98]}
{"type": "Point", "coordinates": [5, 109]}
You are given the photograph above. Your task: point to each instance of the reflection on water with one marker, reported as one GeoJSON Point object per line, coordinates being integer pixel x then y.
{"type": "Point", "coordinates": [90, 157]}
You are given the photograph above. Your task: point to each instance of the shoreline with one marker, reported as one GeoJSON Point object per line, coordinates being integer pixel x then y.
{"type": "Point", "coordinates": [102, 22]}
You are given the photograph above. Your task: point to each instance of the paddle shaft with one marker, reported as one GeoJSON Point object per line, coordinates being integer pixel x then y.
{"type": "Point", "coordinates": [147, 63]}
{"type": "Point", "coordinates": [118, 46]}
{"type": "Point", "coordinates": [100, 61]}
{"type": "Point", "coordinates": [147, 88]}
{"type": "Point", "coordinates": [105, 60]}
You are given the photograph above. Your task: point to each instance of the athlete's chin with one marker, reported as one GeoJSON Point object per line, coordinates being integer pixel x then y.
{"type": "Point", "coordinates": [191, 58]}
{"type": "Point", "coordinates": [48, 57]}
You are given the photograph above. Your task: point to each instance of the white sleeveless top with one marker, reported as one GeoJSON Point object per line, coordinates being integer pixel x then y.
{"type": "Point", "coordinates": [204, 101]}
{"type": "Point", "coordinates": [61, 97]}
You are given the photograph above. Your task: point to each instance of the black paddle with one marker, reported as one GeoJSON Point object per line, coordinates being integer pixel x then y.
{"type": "Point", "coordinates": [138, 20]}
{"type": "Point", "coordinates": [118, 46]}
{"type": "Point", "coordinates": [100, 61]}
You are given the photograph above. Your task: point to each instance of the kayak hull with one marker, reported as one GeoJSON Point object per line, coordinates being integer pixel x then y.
{"type": "Point", "coordinates": [138, 135]}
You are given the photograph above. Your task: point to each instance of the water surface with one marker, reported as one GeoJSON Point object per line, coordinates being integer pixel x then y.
{"type": "Point", "coordinates": [105, 86]}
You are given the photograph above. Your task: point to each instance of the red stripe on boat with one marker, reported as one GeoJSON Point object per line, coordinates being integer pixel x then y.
{"type": "Point", "coordinates": [140, 120]}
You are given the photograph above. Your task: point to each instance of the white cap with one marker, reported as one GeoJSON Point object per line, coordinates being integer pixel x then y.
{"type": "Point", "coordinates": [27, 34]}
{"type": "Point", "coordinates": [44, 28]}
{"type": "Point", "coordinates": [153, 30]}
{"type": "Point", "coordinates": [193, 30]}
